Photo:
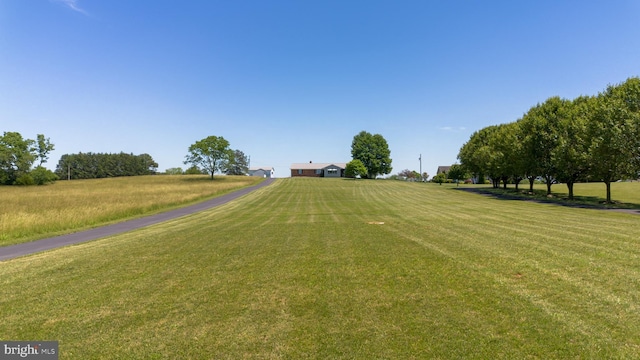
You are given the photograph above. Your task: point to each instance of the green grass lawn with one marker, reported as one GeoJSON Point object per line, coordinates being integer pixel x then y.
{"type": "Point", "coordinates": [333, 268]}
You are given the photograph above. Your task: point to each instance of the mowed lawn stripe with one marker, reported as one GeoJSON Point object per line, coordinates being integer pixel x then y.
{"type": "Point", "coordinates": [553, 242]}
{"type": "Point", "coordinates": [334, 268]}
{"type": "Point", "coordinates": [553, 254]}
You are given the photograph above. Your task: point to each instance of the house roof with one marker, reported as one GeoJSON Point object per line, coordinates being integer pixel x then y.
{"type": "Point", "coordinates": [443, 169]}
{"type": "Point", "coordinates": [267, 168]}
{"type": "Point", "coordinates": [316, 166]}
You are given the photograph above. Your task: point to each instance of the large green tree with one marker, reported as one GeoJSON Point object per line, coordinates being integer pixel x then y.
{"type": "Point", "coordinates": [211, 154]}
{"type": "Point", "coordinates": [479, 157]}
{"type": "Point", "coordinates": [373, 151]}
{"type": "Point", "coordinates": [238, 163]}
{"type": "Point", "coordinates": [540, 127]}
{"type": "Point", "coordinates": [614, 130]}
{"type": "Point", "coordinates": [506, 144]}
{"type": "Point", "coordinates": [571, 154]}
{"type": "Point", "coordinates": [147, 164]}
{"type": "Point", "coordinates": [16, 157]}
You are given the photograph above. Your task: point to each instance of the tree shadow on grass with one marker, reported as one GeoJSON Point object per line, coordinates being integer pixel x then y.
{"type": "Point", "coordinates": [540, 196]}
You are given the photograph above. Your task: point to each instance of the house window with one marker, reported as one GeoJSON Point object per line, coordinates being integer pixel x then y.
{"type": "Point", "coordinates": [299, 171]}
{"type": "Point", "coordinates": [318, 171]}
{"type": "Point", "coordinates": [333, 171]}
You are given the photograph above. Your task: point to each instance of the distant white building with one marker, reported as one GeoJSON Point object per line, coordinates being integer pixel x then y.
{"type": "Point", "coordinates": [266, 172]}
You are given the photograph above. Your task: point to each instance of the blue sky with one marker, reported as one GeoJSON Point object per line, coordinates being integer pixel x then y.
{"type": "Point", "coordinates": [294, 81]}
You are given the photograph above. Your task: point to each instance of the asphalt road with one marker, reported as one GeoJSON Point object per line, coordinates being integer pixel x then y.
{"type": "Point", "coordinates": [13, 251]}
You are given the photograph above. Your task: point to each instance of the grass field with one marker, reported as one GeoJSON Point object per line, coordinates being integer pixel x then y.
{"type": "Point", "coordinates": [31, 212]}
{"type": "Point", "coordinates": [332, 268]}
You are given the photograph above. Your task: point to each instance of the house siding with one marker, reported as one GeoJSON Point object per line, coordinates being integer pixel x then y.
{"type": "Point", "coordinates": [260, 173]}
{"type": "Point", "coordinates": [266, 172]}
{"type": "Point", "coordinates": [333, 170]}
{"type": "Point", "coordinates": [337, 173]}
{"type": "Point", "coordinates": [305, 173]}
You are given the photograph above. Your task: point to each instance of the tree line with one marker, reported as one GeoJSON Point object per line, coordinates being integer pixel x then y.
{"type": "Point", "coordinates": [103, 165]}
{"type": "Point", "coordinates": [589, 138]}
{"type": "Point", "coordinates": [18, 156]}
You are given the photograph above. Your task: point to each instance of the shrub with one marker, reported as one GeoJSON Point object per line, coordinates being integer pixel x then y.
{"type": "Point", "coordinates": [43, 176]}
{"type": "Point", "coordinates": [194, 170]}
{"type": "Point", "coordinates": [25, 179]}
{"type": "Point", "coordinates": [174, 171]}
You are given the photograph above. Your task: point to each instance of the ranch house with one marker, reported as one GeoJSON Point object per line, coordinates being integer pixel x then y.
{"type": "Point", "coordinates": [312, 169]}
{"type": "Point", "coordinates": [443, 169]}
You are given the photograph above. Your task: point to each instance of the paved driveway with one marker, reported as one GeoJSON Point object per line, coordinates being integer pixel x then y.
{"type": "Point", "coordinates": [12, 251]}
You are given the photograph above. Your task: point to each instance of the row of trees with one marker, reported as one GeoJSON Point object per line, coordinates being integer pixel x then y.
{"type": "Point", "coordinates": [371, 156]}
{"type": "Point", "coordinates": [213, 154]}
{"type": "Point", "coordinates": [594, 138]}
{"type": "Point", "coordinates": [17, 157]}
{"type": "Point", "coordinates": [102, 165]}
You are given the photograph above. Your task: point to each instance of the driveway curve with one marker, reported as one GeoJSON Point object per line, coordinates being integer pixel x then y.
{"type": "Point", "coordinates": [13, 251]}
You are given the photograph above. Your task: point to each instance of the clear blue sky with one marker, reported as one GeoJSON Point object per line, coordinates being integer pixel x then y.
{"type": "Point", "coordinates": [294, 81]}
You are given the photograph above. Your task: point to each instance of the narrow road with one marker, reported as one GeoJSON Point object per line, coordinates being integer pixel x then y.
{"type": "Point", "coordinates": [13, 251]}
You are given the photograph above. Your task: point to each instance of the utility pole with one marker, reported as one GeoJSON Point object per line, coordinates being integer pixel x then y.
{"type": "Point", "coordinates": [420, 158]}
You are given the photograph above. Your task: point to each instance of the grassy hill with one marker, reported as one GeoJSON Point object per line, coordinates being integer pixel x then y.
{"type": "Point", "coordinates": [334, 268]}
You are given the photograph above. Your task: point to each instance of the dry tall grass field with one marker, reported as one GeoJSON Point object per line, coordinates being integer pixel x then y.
{"type": "Point", "coordinates": [28, 213]}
